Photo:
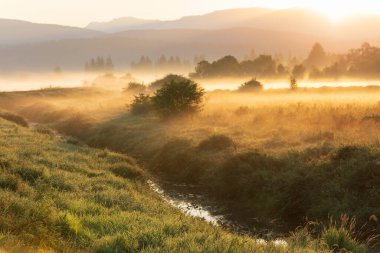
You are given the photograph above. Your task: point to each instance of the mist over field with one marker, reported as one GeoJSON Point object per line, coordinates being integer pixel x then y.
{"type": "Point", "coordinates": [253, 128]}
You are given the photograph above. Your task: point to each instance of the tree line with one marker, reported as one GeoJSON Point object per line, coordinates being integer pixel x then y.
{"type": "Point", "coordinates": [363, 62]}
{"type": "Point", "coordinates": [99, 64]}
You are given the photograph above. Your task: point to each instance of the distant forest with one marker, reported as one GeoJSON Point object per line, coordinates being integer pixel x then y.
{"type": "Point", "coordinates": [99, 64]}
{"type": "Point", "coordinates": [164, 63]}
{"type": "Point", "coordinates": [363, 62]}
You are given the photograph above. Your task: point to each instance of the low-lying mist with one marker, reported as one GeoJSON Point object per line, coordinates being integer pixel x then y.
{"type": "Point", "coordinates": [120, 80]}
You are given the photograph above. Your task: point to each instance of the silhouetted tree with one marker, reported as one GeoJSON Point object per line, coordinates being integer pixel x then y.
{"type": "Point", "coordinates": [299, 71]}
{"type": "Point", "coordinates": [99, 64]}
{"type": "Point", "coordinates": [317, 57]}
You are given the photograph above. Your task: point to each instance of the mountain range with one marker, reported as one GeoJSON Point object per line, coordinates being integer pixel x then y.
{"type": "Point", "coordinates": [290, 32]}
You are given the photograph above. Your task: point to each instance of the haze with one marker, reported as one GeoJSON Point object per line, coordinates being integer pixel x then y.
{"type": "Point", "coordinates": [84, 11]}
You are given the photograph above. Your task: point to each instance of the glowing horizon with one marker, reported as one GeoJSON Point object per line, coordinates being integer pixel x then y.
{"type": "Point", "coordinates": [80, 13]}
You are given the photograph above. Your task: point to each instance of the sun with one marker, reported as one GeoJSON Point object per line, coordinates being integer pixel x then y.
{"type": "Point", "coordinates": [335, 17]}
{"type": "Point", "coordinates": [335, 12]}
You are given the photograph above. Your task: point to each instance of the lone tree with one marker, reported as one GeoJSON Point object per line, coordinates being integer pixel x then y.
{"type": "Point", "coordinates": [178, 97]}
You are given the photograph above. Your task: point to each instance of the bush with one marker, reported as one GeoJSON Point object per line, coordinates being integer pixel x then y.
{"type": "Point", "coordinates": [14, 118]}
{"type": "Point", "coordinates": [178, 97]}
{"type": "Point", "coordinates": [134, 87]}
{"type": "Point", "coordinates": [252, 85]}
{"type": "Point", "coordinates": [142, 104]}
{"type": "Point", "coordinates": [216, 143]}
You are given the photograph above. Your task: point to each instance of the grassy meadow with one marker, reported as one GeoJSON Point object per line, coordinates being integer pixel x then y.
{"type": "Point", "coordinates": [277, 159]}
{"type": "Point", "coordinates": [60, 197]}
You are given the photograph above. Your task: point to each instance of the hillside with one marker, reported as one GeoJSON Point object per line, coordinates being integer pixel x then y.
{"type": "Point", "coordinates": [121, 24]}
{"type": "Point", "coordinates": [285, 20]}
{"type": "Point", "coordinates": [21, 32]}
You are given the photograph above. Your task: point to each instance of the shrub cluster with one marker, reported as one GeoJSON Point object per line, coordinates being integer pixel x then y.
{"type": "Point", "coordinates": [175, 95]}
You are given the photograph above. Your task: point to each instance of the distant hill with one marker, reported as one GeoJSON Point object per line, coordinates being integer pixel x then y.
{"type": "Point", "coordinates": [185, 43]}
{"type": "Point", "coordinates": [358, 27]}
{"type": "Point", "coordinates": [21, 32]}
{"type": "Point", "coordinates": [122, 24]}
{"type": "Point", "coordinates": [289, 32]}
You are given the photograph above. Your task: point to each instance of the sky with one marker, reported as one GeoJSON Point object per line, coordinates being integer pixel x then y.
{"type": "Point", "coordinates": [82, 12]}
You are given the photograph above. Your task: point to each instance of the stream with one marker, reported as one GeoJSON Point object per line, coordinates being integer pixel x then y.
{"type": "Point", "coordinates": [191, 202]}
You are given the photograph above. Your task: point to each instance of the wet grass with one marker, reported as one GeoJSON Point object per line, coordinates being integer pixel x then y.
{"type": "Point", "coordinates": [286, 157]}
{"type": "Point", "coordinates": [61, 197]}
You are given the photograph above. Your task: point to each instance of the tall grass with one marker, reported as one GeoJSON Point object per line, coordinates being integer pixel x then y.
{"type": "Point", "coordinates": [280, 156]}
{"type": "Point", "coordinates": [58, 197]}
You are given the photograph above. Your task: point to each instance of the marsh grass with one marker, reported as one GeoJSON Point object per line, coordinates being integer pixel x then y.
{"type": "Point", "coordinates": [59, 197]}
{"type": "Point", "coordinates": [295, 156]}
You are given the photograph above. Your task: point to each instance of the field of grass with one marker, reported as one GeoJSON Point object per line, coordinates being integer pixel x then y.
{"type": "Point", "coordinates": [283, 157]}
{"type": "Point", "coordinates": [59, 197]}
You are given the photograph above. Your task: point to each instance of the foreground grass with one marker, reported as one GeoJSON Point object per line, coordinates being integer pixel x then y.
{"type": "Point", "coordinates": [65, 198]}
{"type": "Point", "coordinates": [285, 157]}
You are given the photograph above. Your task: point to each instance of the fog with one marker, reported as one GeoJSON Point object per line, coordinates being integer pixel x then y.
{"type": "Point", "coordinates": [117, 81]}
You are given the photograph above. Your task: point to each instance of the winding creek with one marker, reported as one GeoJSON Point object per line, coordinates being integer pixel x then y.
{"type": "Point", "coordinates": [194, 204]}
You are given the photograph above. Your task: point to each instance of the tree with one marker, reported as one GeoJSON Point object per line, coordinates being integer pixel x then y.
{"type": "Point", "coordinates": [317, 57]}
{"type": "Point", "coordinates": [202, 69]}
{"type": "Point", "coordinates": [226, 66]}
{"type": "Point", "coordinates": [109, 64]}
{"type": "Point", "coordinates": [178, 97]}
{"type": "Point", "coordinates": [299, 71]}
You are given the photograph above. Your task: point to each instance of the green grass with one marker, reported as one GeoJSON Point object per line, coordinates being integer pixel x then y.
{"type": "Point", "coordinates": [66, 198]}
{"type": "Point", "coordinates": [286, 157]}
